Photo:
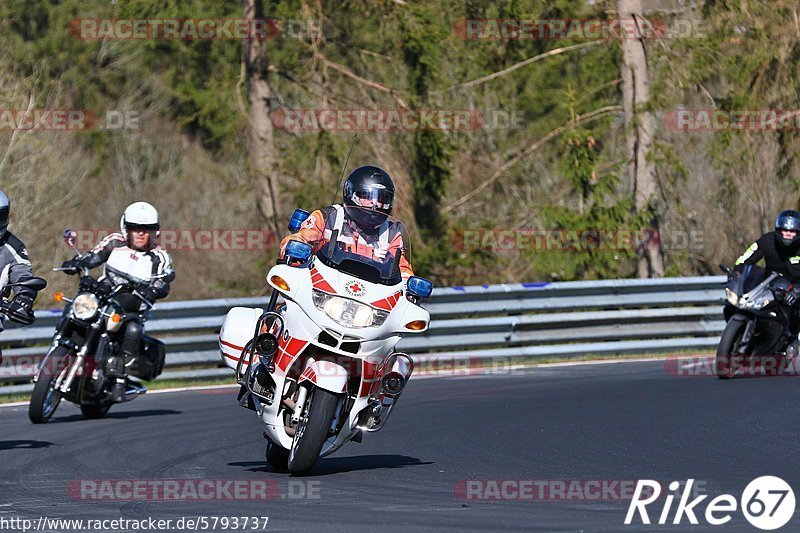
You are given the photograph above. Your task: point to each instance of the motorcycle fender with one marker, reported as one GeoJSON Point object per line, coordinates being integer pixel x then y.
{"type": "Point", "coordinates": [325, 375]}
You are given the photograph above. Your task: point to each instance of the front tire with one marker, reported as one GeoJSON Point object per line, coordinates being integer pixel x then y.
{"type": "Point", "coordinates": [312, 431]}
{"type": "Point", "coordinates": [96, 411]}
{"type": "Point", "coordinates": [44, 399]}
{"type": "Point", "coordinates": [728, 347]}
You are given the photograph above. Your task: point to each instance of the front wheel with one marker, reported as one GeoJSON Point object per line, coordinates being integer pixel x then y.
{"type": "Point", "coordinates": [96, 410]}
{"type": "Point", "coordinates": [45, 399]}
{"type": "Point", "coordinates": [312, 431]}
{"type": "Point", "coordinates": [729, 347]}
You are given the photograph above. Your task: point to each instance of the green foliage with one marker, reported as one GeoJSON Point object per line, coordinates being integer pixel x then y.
{"type": "Point", "coordinates": [599, 237]}
{"type": "Point", "coordinates": [746, 60]}
{"type": "Point", "coordinates": [422, 34]}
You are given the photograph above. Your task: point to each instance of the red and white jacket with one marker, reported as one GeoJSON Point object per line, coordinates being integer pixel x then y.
{"type": "Point", "coordinates": [317, 231]}
{"type": "Point", "coordinates": [152, 266]}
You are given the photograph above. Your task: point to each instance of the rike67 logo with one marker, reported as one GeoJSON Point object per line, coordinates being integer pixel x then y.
{"type": "Point", "coordinates": [767, 503]}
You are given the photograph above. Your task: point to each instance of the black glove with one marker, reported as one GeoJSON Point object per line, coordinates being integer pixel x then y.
{"type": "Point", "coordinates": [87, 283]}
{"type": "Point", "coordinates": [74, 265]}
{"type": "Point", "coordinates": [149, 293]}
{"type": "Point", "coordinates": [21, 310]}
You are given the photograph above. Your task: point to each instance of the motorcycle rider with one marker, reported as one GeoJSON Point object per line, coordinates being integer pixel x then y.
{"type": "Point", "coordinates": [133, 255]}
{"type": "Point", "coordinates": [367, 198]}
{"type": "Point", "coordinates": [14, 268]}
{"type": "Point", "coordinates": [780, 250]}
{"type": "Point", "coordinates": [364, 228]}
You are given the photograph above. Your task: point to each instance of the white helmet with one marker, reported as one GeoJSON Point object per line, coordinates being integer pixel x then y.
{"type": "Point", "coordinates": [139, 215]}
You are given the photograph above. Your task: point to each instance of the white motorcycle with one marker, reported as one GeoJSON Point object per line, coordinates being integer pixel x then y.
{"type": "Point", "coordinates": [319, 368]}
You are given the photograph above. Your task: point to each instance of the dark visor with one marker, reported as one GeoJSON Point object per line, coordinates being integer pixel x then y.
{"type": "Point", "coordinates": [379, 198]}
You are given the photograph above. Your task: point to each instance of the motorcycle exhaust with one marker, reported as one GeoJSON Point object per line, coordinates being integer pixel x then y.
{"type": "Point", "coordinates": [400, 367]}
{"type": "Point", "coordinates": [132, 391]}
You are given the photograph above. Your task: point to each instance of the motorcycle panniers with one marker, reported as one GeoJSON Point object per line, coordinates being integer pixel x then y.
{"type": "Point", "coordinates": [237, 330]}
{"type": "Point", "coordinates": [150, 363]}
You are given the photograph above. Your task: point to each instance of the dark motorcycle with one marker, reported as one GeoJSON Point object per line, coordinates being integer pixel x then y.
{"type": "Point", "coordinates": [86, 342]}
{"type": "Point", "coordinates": [757, 311]}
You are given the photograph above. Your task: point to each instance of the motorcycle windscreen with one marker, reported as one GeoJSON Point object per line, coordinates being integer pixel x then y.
{"type": "Point", "coordinates": [371, 253]}
{"type": "Point", "coordinates": [755, 276]}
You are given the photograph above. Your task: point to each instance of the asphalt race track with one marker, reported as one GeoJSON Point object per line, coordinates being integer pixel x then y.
{"type": "Point", "coordinates": [611, 422]}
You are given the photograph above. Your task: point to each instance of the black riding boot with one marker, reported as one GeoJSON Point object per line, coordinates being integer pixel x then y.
{"type": "Point", "coordinates": [131, 343]}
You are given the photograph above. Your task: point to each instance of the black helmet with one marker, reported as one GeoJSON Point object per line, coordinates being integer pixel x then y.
{"type": "Point", "coordinates": [368, 194]}
{"type": "Point", "coordinates": [788, 220]}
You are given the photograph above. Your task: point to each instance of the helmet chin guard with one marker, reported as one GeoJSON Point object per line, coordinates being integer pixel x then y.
{"type": "Point", "coordinates": [365, 218]}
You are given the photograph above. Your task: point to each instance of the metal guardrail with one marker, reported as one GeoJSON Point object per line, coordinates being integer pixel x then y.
{"type": "Point", "coordinates": [528, 320]}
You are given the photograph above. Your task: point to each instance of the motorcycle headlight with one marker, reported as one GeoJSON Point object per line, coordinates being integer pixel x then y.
{"type": "Point", "coordinates": [84, 306]}
{"type": "Point", "coordinates": [347, 312]}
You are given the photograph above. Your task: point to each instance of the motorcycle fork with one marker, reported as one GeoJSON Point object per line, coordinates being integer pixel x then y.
{"type": "Point", "coordinates": [91, 340]}
{"type": "Point", "coordinates": [299, 405]}
{"type": "Point", "coordinates": [747, 336]}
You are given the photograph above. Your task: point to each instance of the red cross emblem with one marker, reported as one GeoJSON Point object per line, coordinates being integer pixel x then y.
{"type": "Point", "coordinates": [355, 288]}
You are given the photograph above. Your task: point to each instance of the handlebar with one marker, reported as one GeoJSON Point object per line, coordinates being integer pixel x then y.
{"type": "Point", "coordinates": [131, 288]}
{"type": "Point", "coordinates": [128, 286]}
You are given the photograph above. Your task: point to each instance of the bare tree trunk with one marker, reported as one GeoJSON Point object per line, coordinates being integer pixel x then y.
{"type": "Point", "coordinates": [640, 129]}
{"type": "Point", "coordinates": [263, 161]}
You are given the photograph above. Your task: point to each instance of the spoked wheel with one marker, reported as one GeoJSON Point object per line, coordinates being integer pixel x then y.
{"type": "Point", "coordinates": [729, 348]}
{"type": "Point", "coordinates": [45, 399]}
{"type": "Point", "coordinates": [312, 430]}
